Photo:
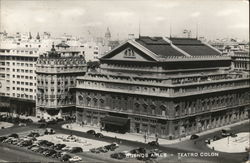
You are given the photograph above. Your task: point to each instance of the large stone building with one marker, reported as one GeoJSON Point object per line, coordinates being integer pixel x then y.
{"type": "Point", "coordinates": [165, 86]}
{"type": "Point", "coordinates": [56, 77]}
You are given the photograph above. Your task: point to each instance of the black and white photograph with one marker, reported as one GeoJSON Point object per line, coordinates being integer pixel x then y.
{"type": "Point", "coordinates": [124, 81]}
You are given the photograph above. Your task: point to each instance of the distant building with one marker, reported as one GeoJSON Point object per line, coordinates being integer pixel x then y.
{"type": "Point", "coordinates": [240, 60]}
{"type": "Point", "coordinates": [171, 87]}
{"type": "Point", "coordinates": [56, 78]}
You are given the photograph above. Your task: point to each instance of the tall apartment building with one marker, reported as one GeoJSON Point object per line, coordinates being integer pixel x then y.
{"type": "Point", "coordinates": [56, 78]}
{"type": "Point", "coordinates": [18, 78]}
{"type": "Point", "coordinates": [166, 86]}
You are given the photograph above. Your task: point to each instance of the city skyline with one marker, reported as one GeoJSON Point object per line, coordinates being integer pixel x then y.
{"type": "Point", "coordinates": [84, 17]}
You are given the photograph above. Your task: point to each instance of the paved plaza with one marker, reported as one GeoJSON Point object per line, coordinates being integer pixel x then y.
{"type": "Point", "coordinates": [5, 125]}
{"type": "Point", "coordinates": [73, 141]}
{"type": "Point", "coordinates": [232, 144]}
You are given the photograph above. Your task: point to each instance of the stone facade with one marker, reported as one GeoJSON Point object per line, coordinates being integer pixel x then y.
{"type": "Point", "coordinates": [56, 77]}
{"type": "Point", "coordinates": [171, 96]}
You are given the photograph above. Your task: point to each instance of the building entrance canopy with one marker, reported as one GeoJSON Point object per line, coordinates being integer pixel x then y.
{"type": "Point", "coordinates": [118, 121]}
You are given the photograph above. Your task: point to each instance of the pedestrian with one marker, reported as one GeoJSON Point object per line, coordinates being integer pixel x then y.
{"type": "Point", "coordinates": [156, 138]}
{"type": "Point", "coordinates": [145, 138]}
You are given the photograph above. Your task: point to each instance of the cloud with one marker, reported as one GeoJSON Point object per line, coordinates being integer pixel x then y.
{"type": "Point", "coordinates": [227, 12]}
{"type": "Point", "coordinates": [40, 19]}
{"type": "Point", "coordinates": [195, 14]}
{"type": "Point", "coordinates": [159, 18]}
{"type": "Point", "coordinates": [239, 26]}
{"type": "Point", "coordinates": [119, 14]}
{"type": "Point", "coordinates": [91, 24]}
{"type": "Point", "coordinates": [73, 12]}
{"type": "Point", "coordinates": [167, 5]}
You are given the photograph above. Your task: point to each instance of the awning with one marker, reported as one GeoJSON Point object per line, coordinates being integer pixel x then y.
{"type": "Point", "coordinates": [119, 121]}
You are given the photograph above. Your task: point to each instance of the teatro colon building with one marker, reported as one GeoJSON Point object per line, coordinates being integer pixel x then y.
{"type": "Point", "coordinates": [171, 87]}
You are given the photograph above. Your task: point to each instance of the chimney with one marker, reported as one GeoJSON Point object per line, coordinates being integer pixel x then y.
{"type": "Point", "coordinates": [131, 36]}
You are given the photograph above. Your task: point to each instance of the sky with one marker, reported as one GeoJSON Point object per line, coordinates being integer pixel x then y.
{"type": "Point", "coordinates": [210, 18]}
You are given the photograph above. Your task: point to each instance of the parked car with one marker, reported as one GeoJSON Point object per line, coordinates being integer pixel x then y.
{"type": "Point", "coordinates": [75, 159]}
{"type": "Point", "coordinates": [153, 143]}
{"type": "Point", "coordinates": [216, 137]}
{"type": "Point", "coordinates": [8, 140]}
{"type": "Point", "coordinates": [33, 134]}
{"type": "Point", "coordinates": [99, 135]}
{"type": "Point", "coordinates": [233, 135]}
{"type": "Point", "coordinates": [75, 150]}
{"type": "Point", "coordinates": [91, 132]}
{"type": "Point", "coordinates": [41, 120]}
{"type": "Point", "coordinates": [42, 125]}
{"type": "Point", "coordinates": [194, 137]}
{"type": "Point", "coordinates": [49, 152]}
{"type": "Point", "coordinates": [52, 122]}
{"type": "Point", "coordinates": [65, 157]}
{"type": "Point", "coordinates": [56, 155]}
{"type": "Point", "coordinates": [59, 146]}
{"type": "Point", "coordinates": [118, 155]}
{"type": "Point", "coordinates": [66, 148]}
{"type": "Point", "coordinates": [225, 132]}
{"type": "Point", "coordinates": [2, 138]}
{"type": "Point", "coordinates": [22, 124]}
{"type": "Point", "coordinates": [13, 135]}
{"type": "Point", "coordinates": [110, 147]}
{"type": "Point", "coordinates": [208, 140]}
{"type": "Point", "coordinates": [32, 146]}
{"type": "Point", "coordinates": [26, 143]}
{"type": "Point", "coordinates": [59, 119]}
{"type": "Point", "coordinates": [103, 149]}
{"type": "Point", "coordinates": [94, 150]}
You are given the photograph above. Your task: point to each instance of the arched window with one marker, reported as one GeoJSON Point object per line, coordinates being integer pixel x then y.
{"type": "Point", "coordinates": [163, 110]}
{"type": "Point", "coordinates": [80, 99]}
{"type": "Point", "coordinates": [88, 100]}
{"type": "Point", "coordinates": [95, 101]}
{"type": "Point", "coordinates": [153, 109]}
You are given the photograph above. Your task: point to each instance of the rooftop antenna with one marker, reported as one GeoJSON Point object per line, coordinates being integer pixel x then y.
{"type": "Point", "coordinates": [170, 31]}
{"type": "Point", "coordinates": [139, 30]}
{"type": "Point", "coordinates": [197, 30]}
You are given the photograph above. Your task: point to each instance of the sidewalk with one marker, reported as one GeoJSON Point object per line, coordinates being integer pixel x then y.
{"type": "Point", "coordinates": [34, 119]}
{"type": "Point", "coordinates": [139, 137]}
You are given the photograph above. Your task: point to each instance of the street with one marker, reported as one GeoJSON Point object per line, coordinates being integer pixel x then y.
{"type": "Point", "coordinates": [14, 153]}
